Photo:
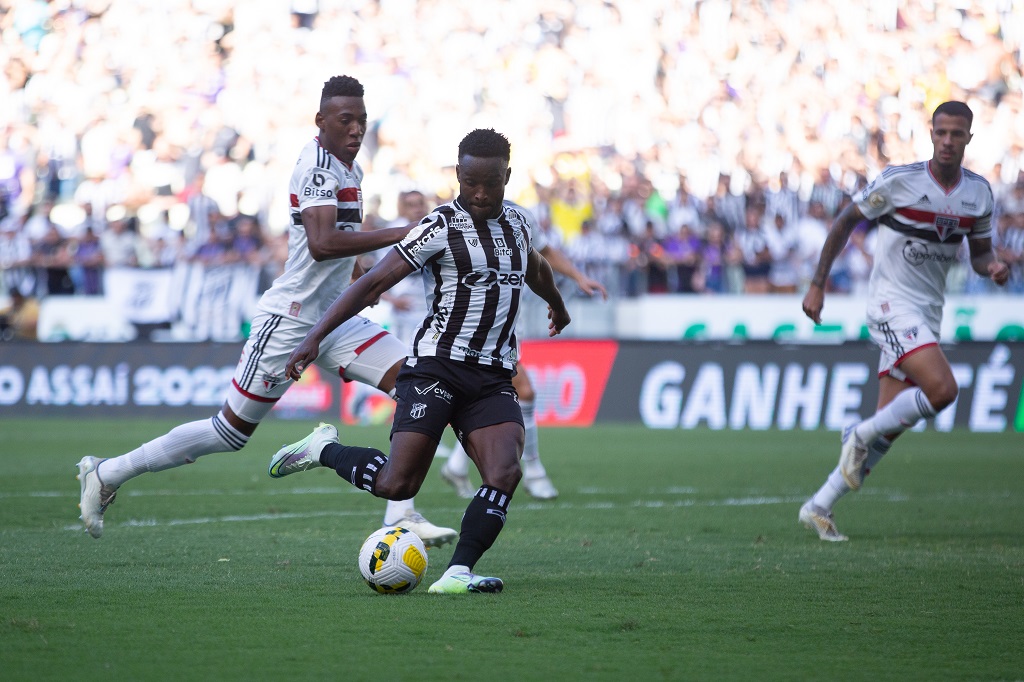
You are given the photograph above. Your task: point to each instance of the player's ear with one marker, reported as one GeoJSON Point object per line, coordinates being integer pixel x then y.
{"type": "Point", "coordinates": [319, 119]}
{"type": "Point", "coordinates": [508, 174]}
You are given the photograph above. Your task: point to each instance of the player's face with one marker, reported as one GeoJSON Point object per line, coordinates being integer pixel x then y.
{"type": "Point", "coordinates": [342, 124]}
{"type": "Point", "coordinates": [950, 135]}
{"type": "Point", "coordinates": [482, 185]}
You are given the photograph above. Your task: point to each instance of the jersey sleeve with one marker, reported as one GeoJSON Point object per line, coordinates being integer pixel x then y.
{"type": "Point", "coordinates": [317, 186]}
{"type": "Point", "coordinates": [876, 199]}
{"type": "Point", "coordinates": [424, 241]}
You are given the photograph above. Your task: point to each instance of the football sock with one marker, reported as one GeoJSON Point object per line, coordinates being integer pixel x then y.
{"type": "Point", "coordinates": [483, 520]}
{"type": "Point", "coordinates": [458, 461]}
{"type": "Point", "coordinates": [876, 451]}
{"type": "Point", "coordinates": [183, 444]}
{"type": "Point", "coordinates": [397, 509]}
{"type": "Point", "coordinates": [903, 412]}
{"type": "Point", "coordinates": [829, 493]}
{"type": "Point", "coordinates": [532, 466]}
{"type": "Point", "coordinates": [359, 466]}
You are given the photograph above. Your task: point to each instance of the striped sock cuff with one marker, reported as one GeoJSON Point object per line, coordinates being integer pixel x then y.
{"type": "Point", "coordinates": [232, 437]}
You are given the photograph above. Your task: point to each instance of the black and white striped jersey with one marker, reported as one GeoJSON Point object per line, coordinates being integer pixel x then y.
{"type": "Point", "coordinates": [473, 278]}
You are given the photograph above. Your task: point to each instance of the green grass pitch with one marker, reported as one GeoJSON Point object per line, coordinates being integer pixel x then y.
{"type": "Point", "coordinates": [670, 555]}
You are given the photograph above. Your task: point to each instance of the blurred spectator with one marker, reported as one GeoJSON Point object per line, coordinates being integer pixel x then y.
{"type": "Point", "coordinates": [87, 269]}
{"type": "Point", "coordinates": [1009, 244]}
{"type": "Point", "coordinates": [120, 243]}
{"type": "Point", "coordinates": [812, 231]}
{"type": "Point", "coordinates": [712, 277]}
{"type": "Point", "coordinates": [19, 320]}
{"type": "Point", "coordinates": [682, 253]}
{"type": "Point", "coordinates": [569, 209]}
{"type": "Point", "coordinates": [754, 251]}
{"type": "Point", "coordinates": [52, 257]}
{"type": "Point", "coordinates": [15, 258]}
{"type": "Point", "coordinates": [783, 241]}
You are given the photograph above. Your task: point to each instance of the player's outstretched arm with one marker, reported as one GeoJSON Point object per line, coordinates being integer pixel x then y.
{"type": "Point", "coordinates": [326, 241]}
{"type": "Point", "coordinates": [385, 274]}
{"type": "Point", "coordinates": [842, 227]}
{"type": "Point", "coordinates": [541, 280]}
{"type": "Point", "coordinates": [985, 262]}
{"type": "Point", "coordinates": [562, 264]}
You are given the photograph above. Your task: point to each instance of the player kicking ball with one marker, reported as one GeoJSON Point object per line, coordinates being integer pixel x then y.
{"type": "Point", "coordinates": [477, 254]}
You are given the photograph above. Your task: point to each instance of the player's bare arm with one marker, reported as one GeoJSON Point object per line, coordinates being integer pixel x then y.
{"type": "Point", "coordinates": [985, 262]}
{"type": "Point", "coordinates": [842, 227]}
{"type": "Point", "coordinates": [326, 241]}
{"type": "Point", "coordinates": [541, 279]}
{"type": "Point", "coordinates": [387, 273]}
{"type": "Point", "coordinates": [562, 264]}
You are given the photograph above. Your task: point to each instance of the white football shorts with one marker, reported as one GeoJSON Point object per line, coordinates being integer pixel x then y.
{"type": "Point", "coordinates": [900, 337]}
{"type": "Point", "coordinates": [358, 350]}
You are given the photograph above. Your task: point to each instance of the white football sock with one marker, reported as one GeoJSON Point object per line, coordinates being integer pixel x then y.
{"type": "Point", "coordinates": [833, 489]}
{"type": "Point", "coordinates": [458, 461]}
{"type": "Point", "coordinates": [396, 510]}
{"type": "Point", "coordinates": [181, 445]}
{"type": "Point", "coordinates": [876, 451]}
{"type": "Point", "coordinates": [532, 466]}
{"type": "Point", "coordinates": [905, 410]}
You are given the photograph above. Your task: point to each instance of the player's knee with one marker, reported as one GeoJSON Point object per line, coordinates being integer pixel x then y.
{"type": "Point", "coordinates": [505, 477]}
{"type": "Point", "coordinates": [943, 396]}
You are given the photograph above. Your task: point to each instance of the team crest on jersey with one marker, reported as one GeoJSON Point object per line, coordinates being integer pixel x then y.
{"type": "Point", "coordinates": [946, 225]}
{"type": "Point", "coordinates": [418, 410]}
{"type": "Point", "coordinates": [520, 240]}
{"type": "Point", "coordinates": [461, 222]}
{"type": "Point", "coordinates": [876, 200]}
{"type": "Point", "coordinates": [271, 380]}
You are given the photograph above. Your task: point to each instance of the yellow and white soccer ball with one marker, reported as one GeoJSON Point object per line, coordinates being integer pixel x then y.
{"type": "Point", "coordinates": [393, 560]}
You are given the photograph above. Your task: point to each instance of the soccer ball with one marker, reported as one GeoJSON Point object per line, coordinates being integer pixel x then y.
{"type": "Point", "coordinates": [393, 560]}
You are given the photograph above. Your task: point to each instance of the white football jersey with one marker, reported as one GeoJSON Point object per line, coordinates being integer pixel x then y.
{"type": "Point", "coordinates": [307, 288]}
{"type": "Point", "coordinates": [921, 226]}
{"type": "Point", "coordinates": [473, 278]}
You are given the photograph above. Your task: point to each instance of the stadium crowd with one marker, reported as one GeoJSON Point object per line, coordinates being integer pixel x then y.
{"type": "Point", "coordinates": [667, 145]}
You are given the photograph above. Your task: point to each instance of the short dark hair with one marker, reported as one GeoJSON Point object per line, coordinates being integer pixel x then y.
{"type": "Point", "coordinates": [485, 143]}
{"type": "Point", "coordinates": [341, 86]}
{"type": "Point", "coordinates": [954, 108]}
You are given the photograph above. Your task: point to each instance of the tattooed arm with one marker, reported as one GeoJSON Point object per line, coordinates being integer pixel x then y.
{"type": "Point", "coordinates": [842, 226]}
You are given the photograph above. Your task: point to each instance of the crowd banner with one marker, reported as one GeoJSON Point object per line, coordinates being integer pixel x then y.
{"type": "Point", "coordinates": [663, 385]}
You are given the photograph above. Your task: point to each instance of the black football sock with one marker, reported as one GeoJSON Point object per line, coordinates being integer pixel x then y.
{"type": "Point", "coordinates": [359, 466]}
{"type": "Point", "coordinates": [483, 520]}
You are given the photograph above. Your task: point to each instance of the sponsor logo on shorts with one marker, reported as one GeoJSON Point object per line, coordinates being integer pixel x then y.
{"type": "Point", "coordinates": [418, 410]}
{"type": "Point", "coordinates": [294, 308]}
{"type": "Point", "coordinates": [435, 389]}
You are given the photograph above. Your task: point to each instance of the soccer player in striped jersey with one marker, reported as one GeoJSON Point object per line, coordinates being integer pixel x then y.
{"type": "Point", "coordinates": [924, 212]}
{"type": "Point", "coordinates": [323, 240]}
{"type": "Point", "coordinates": [475, 255]}
{"type": "Point", "coordinates": [536, 481]}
